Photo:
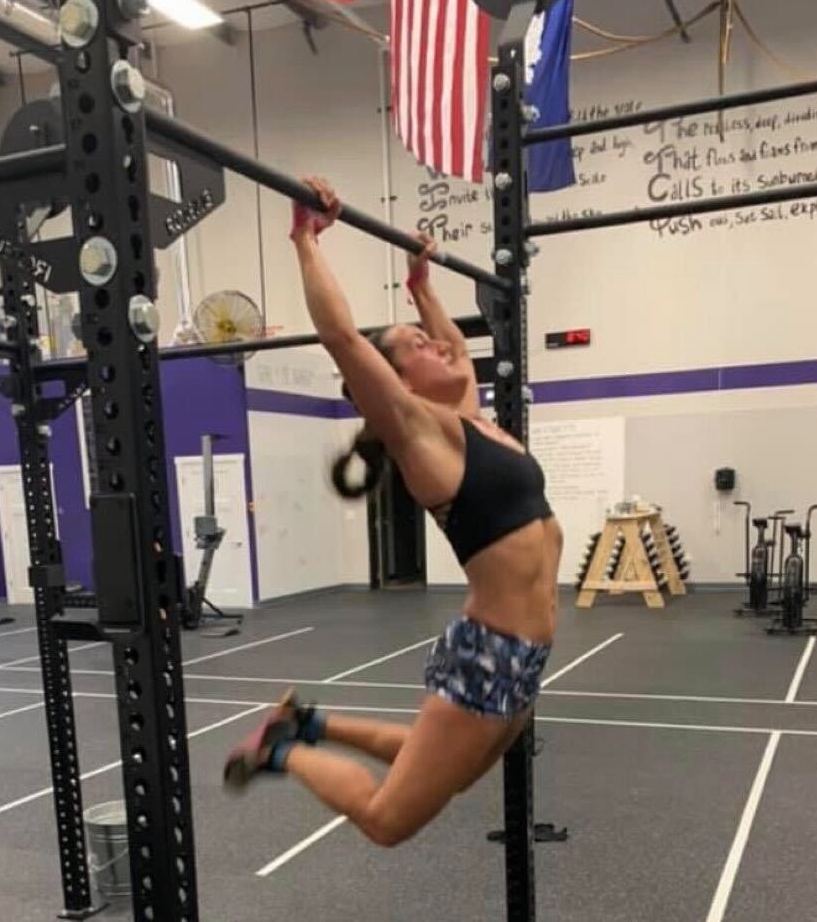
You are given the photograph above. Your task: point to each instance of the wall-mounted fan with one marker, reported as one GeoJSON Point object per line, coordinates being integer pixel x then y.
{"type": "Point", "coordinates": [228, 317]}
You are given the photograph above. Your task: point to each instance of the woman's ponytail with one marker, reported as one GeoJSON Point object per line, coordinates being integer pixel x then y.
{"type": "Point", "coordinates": [370, 450]}
{"type": "Point", "coordinates": [373, 454]}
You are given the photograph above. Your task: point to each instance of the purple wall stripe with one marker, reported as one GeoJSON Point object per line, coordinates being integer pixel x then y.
{"type": "Point", "coordinates": [261, 401]}
{"type": "Point", "coordinates": [619, 386]}
{"type": "Point", "coordinates": [778, 374]}
{"type": "Point", "coordinates": [345, 410]}
{"type": "Point", "coordinates": [734, 377]}
{"type": "Point", "coordinates": [654, 384]}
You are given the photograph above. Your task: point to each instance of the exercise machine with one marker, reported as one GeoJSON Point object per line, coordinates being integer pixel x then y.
{"type": "Point", "coordinates": [209, 535]}
{"type": "Point", "coordinates": [793, 587]}
{"type": "Point", "coordinates": [193, 598]}
{"type": "Point", "coordinates": [759, 568]}
{"type": "Point", "coordinates": [778, 520]}
{"type": "Point", "coordinates": [757, 564]}
{"type": "Point", "coordinates": [807, 554]}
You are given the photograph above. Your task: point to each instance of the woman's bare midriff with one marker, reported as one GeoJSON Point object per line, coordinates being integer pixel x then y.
{"type": "Point", "coordinates": [512, 583]}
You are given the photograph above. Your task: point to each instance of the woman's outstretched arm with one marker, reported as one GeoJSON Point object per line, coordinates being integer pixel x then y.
{"type": "Point", "coordinates": [379, 394]}
{"type": "Point", "coordinates": [436, 322]}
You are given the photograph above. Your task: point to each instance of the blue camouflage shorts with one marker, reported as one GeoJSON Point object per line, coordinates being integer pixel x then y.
{"type": "Point", "coordinates": [484, 671]}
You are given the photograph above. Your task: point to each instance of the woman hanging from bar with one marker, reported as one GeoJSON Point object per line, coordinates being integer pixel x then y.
{"type": "Point", "coordinates": [415, 387]}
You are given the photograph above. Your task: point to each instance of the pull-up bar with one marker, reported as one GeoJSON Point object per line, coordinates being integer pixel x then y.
{"type": "Point", "coordinates": [173, 130]}
{"type": "Point", "coordinates": [680, 209]}
{"type": "Point", "coordinates": [647, 116]}
{"type": "Point", "coordinates": [470, 326]}
{"type": "Point", "coordinates": [52, 159]}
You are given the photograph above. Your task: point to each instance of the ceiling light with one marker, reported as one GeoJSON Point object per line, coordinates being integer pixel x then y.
{"type": "Point", "coordinates": [188, 13]}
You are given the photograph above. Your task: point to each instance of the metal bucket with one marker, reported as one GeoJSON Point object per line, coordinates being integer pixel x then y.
{"type": "Point", "coordinates": [109, 861]}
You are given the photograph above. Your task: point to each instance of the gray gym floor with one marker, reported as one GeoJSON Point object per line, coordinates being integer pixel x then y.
{"type": "Point", "coordinates": [680, 750]}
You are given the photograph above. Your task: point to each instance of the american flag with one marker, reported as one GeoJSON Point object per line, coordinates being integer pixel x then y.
{"type": "Point", "coordinates": [439, 79]}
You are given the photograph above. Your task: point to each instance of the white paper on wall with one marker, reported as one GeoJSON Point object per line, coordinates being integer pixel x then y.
{"type": "Point", "coordinates": [583, 461]}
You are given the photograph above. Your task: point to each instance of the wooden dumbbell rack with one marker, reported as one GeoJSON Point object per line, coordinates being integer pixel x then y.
{"type": "Point", "coordinates": [633, 572]}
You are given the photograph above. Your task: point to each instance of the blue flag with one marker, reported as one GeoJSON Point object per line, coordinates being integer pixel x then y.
{"type": "Point", "coordinates": [550, 165]}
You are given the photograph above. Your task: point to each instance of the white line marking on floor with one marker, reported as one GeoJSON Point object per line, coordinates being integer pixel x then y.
{"type": "Point", "coordinates": [301, 846]}
{"type": "Point", "coordinates": [227, 720]}
{"type": "Point", "coordinates": [580, 659]}
{"type": "Point", "coordinates": [44, 792]}
{"type": "Point", "coordinates": [694, 699]}
{"type": "Point", "coordinates": [19, 630]}
{"type": "Point", "coordinates": [83, 646]}
{"type": "Point", "coordinates": [246, 646]}
{"type": "Point", "coordinates": [34, 659]}
{"type": "Point", "coordinates": [791, 694]}
{"type": "Point", "coordinates": [398, 685]}
{"type": "Point", "coordinates": [381, 659]}
{"type": "Point", "coordinates": [108, 672]}
{"type": "Point", "coordinates": [730, 869]}
{"type": "Point", "coordinates": [250, 679]}
{"type": "Point", "coordinates": [28, 707]}
{"type": "Point", "coordinates": [655, 725]}
{"type": "Point", "coordinates": [22, 691]}
{"type": "Point", "coordinates": [377, 710]}
{"type": "Point", "coordinates": [265, 680]}
{"type": "Point", "coordinates": [234, 702]}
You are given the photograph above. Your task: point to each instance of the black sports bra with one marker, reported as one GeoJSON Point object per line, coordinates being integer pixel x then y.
{"type": "Point", "coordinates": [501, 491]}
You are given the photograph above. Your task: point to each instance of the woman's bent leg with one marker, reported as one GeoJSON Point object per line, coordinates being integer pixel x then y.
{"type": "Point", "coordinates": [374, 737]}
{"type": "Point", "coordinates": [445, 751]}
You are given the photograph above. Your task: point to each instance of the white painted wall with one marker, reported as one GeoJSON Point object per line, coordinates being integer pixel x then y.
{"type": "Point", "coordinates": [354, 537]}
{"type": "Point", "coordinates": [14, 536]}
{"type": "Point", "coordinates": [306, 536]}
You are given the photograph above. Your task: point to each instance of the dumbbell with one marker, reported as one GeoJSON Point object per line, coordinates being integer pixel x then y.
{"type": "Point", "coordinates": [661, 577]}
{"type": "Point", "coordinates": [612, 566]}
{"type": "Point", "coordinates": [615, 551]}
{"type": "Point", "coordinates": [591, 546]}
{"type": "Point", "coordinates": [581, 576]}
